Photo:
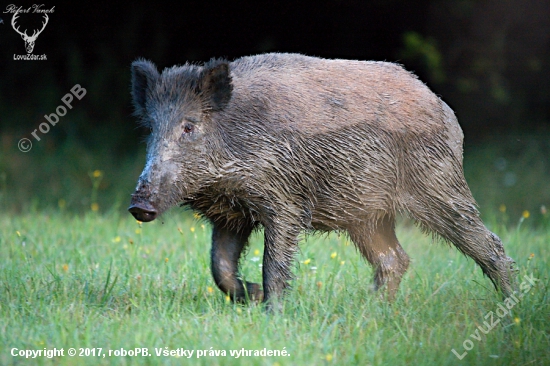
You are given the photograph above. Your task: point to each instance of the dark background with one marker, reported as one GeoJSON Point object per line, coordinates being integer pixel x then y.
{"type": "Point", "coordinates": [488, 59]}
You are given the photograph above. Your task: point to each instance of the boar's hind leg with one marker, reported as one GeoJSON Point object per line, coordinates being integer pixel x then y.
{"type": "Point", "coordinates": [379, 245]}
{"type": "Point", "coordinates": [458, 222]}
{"type": "Point", "coordinates": [227, 246]}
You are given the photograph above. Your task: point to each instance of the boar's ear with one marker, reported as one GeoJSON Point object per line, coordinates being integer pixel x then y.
{"type": "Point", "coordinates": [215, 85]}
{"type": "Point", "coordinates": [144, 75]}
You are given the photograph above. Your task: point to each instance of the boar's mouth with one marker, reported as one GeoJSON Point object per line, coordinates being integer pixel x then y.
{"type": "Point", "coordinates": [143, 211]}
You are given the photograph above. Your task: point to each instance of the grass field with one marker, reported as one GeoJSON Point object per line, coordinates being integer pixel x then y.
{"type": "Point", "coordinates": [76, 271]}
{"type": "Point", "coordinates": [104, 281]}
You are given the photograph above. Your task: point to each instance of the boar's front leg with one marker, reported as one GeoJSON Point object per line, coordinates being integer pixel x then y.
{"type": "Point", "coordinates": [227, 246]}
{"type": "Point", "coordinates": [280, 245]}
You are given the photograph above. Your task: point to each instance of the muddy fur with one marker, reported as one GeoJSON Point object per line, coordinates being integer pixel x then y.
{"type": "Point", "coordinates": [299, 144]}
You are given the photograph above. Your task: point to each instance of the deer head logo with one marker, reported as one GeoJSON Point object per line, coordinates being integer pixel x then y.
{"type": "Point", "coordinates": [29, 40]}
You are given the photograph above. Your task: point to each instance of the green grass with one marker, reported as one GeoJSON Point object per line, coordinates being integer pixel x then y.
{"type": "Point", "coordinates": [70, 277]}
{"type": "Point", "coordinates": [102, 281]}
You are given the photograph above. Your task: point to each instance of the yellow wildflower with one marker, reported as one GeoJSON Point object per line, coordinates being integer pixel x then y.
{"type": "Point", "coordinates": [328, 357]}
{"type": "Point", "coordinates": [256, 252]}
{"type": "Point", "coordinates": [94, 207]}
{"type": "Point", "coordinates": [333, 255]}
{"type": "Point", "coordinates": [65, 268]}
{"type": "Point", "coordinates": [97, 173]}
{"type": "Point", "coordinates": [307, 261]}
{"type": "Point", "coordinates": [526, 214]}
{"type": "Point", "coordinates": [192, 228]}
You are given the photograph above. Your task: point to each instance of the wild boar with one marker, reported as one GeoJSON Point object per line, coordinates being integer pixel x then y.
{"type": "Point", "coordinates": [299, 144]}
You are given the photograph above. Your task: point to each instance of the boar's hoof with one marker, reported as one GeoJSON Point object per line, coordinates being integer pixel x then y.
{"type": "Point", "coordinates": [143, 212]}
{"type": "Point", "coordinates": [255, 293]}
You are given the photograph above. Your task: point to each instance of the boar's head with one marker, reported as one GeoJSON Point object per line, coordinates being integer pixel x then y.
{"type": "Point", "coordinates": [176, 107]}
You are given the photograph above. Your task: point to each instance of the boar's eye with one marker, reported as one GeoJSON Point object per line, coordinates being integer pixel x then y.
{"type": "Point", "coordinates": [188, 128]}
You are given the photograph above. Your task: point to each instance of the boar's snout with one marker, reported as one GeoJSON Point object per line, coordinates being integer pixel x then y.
{"type": "Point", "coordinates": [141, 207]}
{"type": "Point", "coordinates": [143, 211]}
